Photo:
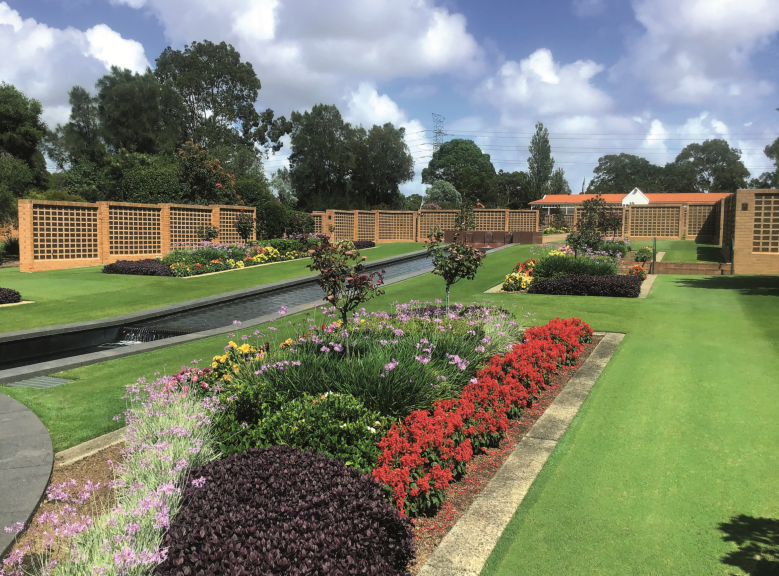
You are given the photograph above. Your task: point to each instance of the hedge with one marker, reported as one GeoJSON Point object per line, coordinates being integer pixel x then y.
{"type": "Point", "coordinates": [146, 267]}
{"type": "Point", "coordinates": [9, 296]}
{"type": "Point", "coordinates": [585, 285]}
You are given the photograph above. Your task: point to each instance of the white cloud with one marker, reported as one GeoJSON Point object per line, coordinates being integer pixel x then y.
{"type": "Point", "coordinates": [542, 86]}
{"type": "Point", "coordinates": [693, 51]}
{"type": "Point", "coordinates": [588, 7]}
{"type": "Point", "coordinates": [45, 62]}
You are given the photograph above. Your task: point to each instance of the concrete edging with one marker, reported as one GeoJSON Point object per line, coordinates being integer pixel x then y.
{"type": "Point", "coordinates": [17, 303]}
{"type": "Point", "coordinates": [465, 549]}
{"type": "Point", "coordinates": [26, 461]}
{"type": "Point", "coordinates": [89, 448]}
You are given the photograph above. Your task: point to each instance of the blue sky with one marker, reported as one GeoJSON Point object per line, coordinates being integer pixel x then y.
{"type": "Point", "coordinates": [605, 76]}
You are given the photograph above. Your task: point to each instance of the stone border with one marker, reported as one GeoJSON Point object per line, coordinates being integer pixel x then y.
{"type": "Point", "coordinates": [465, 549]}
{"type": "Point", "coordinates": [26, 460]}
{"type": "Point", "coordinates": [90, 447]}
{"type": "Point", "coordinates": [17, 303]}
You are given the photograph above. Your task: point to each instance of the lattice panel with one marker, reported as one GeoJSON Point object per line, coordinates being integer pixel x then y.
{"type": "Point", "coordinates": [396, 226]}
{"type": "Point", "coordinates": [64, 232]}
{"type": "Point", "coordinates": [766, 227]}
{"type": "Point", "coordinates": [344, 225]}
{"type": "Point", "coordinates": [430, 219]}
{"type": "Point", "coordinates": [317, 218]}
{"type": "Point", "coordinates": [366, 225]}
{"type": "Point", "coordinates": [134, 230]}
{"type": "Point", "coordinates": [522, 220]}
{"type": "Point", "coordinates": [490, 219]}
{"type": "Point", "coordinates": [654, 221]}
{"type": "Point", "coordinates": [184, 223]}
{"type": "Point", "coordinates": [702, 220]}
{"type": "Point", "coordinates": [228, 233]}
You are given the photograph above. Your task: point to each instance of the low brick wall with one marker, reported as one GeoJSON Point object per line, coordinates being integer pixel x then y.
{"type": "Point", "coordinates": [692, 268]}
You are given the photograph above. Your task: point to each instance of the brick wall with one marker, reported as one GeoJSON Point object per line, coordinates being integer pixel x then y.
{"type": "Point", "coordinates": [57, 235]}
{"type": "Point", "coordinates": [756, 232]}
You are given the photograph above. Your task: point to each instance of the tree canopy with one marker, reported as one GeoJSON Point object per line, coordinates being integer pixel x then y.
{"type": "Point", "coordinates": [463, 164]}
{"type": "Point", "coordinates": [383, 163]}
{"type": "Point", "coordinates": [21, 128]}
{"type": "Point", "coordinates": [540, 163]}
{"type": "Point", "coordinates": [441, 191]}
{"type": "Point", "coordinates": [717, 166]}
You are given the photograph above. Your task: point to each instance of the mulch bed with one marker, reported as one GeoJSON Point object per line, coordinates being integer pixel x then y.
{"type": "Point", "coordinates": [429, 531]}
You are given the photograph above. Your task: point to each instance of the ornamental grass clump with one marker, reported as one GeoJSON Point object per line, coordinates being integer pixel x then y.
{"type": "Point", "coordinates": [168, 432]}
{"type": "Point", "coordinates": [282, 511]}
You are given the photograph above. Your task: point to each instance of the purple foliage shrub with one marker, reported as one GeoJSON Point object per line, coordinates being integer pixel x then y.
{"type": "Point", "coordinates": [278, 510]}
{"type": "Point", "coordinates": [363, 244]}
{"type": "Point", "coordinates": [9, 296]}
{"type": "Point", "coordinates": [584, 285]}
{"type": "Point", "coordinates": [147, 267]}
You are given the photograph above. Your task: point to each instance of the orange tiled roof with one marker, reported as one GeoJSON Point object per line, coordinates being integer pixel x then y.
{"type": "Point", "coordinates": [578, 198]}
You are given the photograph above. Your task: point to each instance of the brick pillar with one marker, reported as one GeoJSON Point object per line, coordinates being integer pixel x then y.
{"type": "Point", "coordinates": [103, 232]}
{"type": "Point", "coordinates": [328, 219]}
{"type": "Point", "coordinates": [721, 206]}
{"type": "Point", "coordinates": [506, 221]}
{"type": "Point", "coordinates": [254, 230]}
{"type": "Point", "coordinates": [215, 221]}
{"type": "Point", "coordinates": [682, 220]}
{"type": "Point", "coordinates": [356, 226]}
{"type": "Point", "coordinates": [165, 228]}
{"type": "Point", "coordinates": [538, 216]}
{"type": "Point", "coordinates": [376, 226]}
{"type": "Point", "coordinates": [625, 210]}
{"type": "Point", "coordinates": [415, 234]}
{"type": "Point", "coordinates": [26, 239]}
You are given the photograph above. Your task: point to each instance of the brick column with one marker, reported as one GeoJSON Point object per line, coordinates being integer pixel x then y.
{"type": "Point", "coordinates": [103, 232]}
{"type": "Point", "coordinates": [376, 226]}
{"type": "Point", "coordinates": [254, 230]}
{"type": "Point", "coordinates": [682, 219]}
{"type": "Point", "coordinates": [625, 210]}
{"type": "Point", "coordinates": [165, 228]}
{"type": "Point", "coordinates": [356, 226]}
{"type": "Point", "coordinates": [721, 206]}
{"type": "Point", "coordinates": [506, 221]}
{"type": "Point", "coordinates": [215, 221]}
{"type": "Point", "coordinates": [538, 216]}
{"type": "Point", "coordinates": [415, 234]}
{"type": "Point", "coordinates": [26, 239]}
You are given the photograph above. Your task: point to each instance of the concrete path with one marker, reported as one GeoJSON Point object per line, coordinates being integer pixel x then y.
{"type": "Point", "coordinates": [26, 460]}
{"type": "Point", "coordinates": [466, 547]}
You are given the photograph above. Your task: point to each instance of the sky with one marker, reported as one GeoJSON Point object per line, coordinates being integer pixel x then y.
{"type": "Point", "coordinates": [645, 77]}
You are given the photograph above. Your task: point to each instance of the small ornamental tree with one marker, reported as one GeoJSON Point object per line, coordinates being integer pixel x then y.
{"type": "Point", "coordinates": [465, 219]}
{"type": "Point", "coordinates": [244, 225]}
{"type": "Point", "coordinates": [207, 233]}
{"type": "Point", "coordinates": [453, 262]}
{"type": "Point", "coordinates": [346, 285]}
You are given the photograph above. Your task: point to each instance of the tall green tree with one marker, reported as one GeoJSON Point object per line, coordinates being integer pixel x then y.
{"type": "Point", "coordinates": [22, 130]}
{"type": "Point", "coordinates": [514, 188]}
{"type": "Point", "coordinates": [718, 167]}
{"type": "Point", "coordinates": [768, 179]}
{"type": "Point", "coordinates": [463, 164]}
{"type": "Point", "coordinates": [138, 113]}
{"type": "Point", "coordinates": [441, 191]}
{"type": "Point", "coordinates": [323, 160]}
{"type": "Point", "coordinates": [540, 163]}
{"type": "Point", "coordinates": [383, 163]}
{"type": "Point", "coordinates": [79, 138]}
{"type": "Point", "coordinates": [281, 184]}
{"type": "Point", "coordinates": [219, 93]}
{"type": "Point", "coordinates": [620, 173]}
{"type": "Point", "coordinates": [558, 184]}
{"type": "Point", "coordinates": [15, 175]}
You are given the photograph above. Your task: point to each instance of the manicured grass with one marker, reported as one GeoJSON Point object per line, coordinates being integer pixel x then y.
{"type": "Point", "coordinates": [78, 294]}
{"type": "Point", "coordinates": [684, 250]}
{"type": "Point", "coordinates": [678, 435]}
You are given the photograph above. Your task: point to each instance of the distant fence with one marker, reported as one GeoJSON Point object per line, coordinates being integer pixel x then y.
{"type": "Point", "coordinates": [383, 226]}
{"type": "Point", "coordinates": [56, 235]}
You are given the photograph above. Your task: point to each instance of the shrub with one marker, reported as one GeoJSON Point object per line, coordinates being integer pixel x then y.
{"type": "Point", "coordinates": [516, 281]}
{"type": "Point", "coordinates": [644, 254]}
{"type": "Point", "coordinates": [11, 246]}
{"type": "Point", "coordinates": [146, 267]}
{"type": "Point", "coordinates": [9, 296]}
{"type": "Point", "coordinates": [300, 223]}
{"type": "Point", "coordinates": [586, 285]}
{"type": "Point", "coordinates": [285, 244]}
{"type": "Point", "coordinates": [637, 270]}
{"type": "Point", "coordinates": [272, 222]}
{"type": "Point", "coordinates": [363, 244]}
{"type": "Point", "coordinates": [335, 425]}
{"type": "Point", "coordinates": [244, 225]}
{"type": "Point", "coordinates": [282, 511]}
{"type": "Point", "coordinates": [421, 455]}
{"type": "Point", "coordinates": [614, 247]}
{"type": "Point", "coordinates": [526, 266]}
{"type": "Point", "coordinates": [557, 266]}
{"type": "Point", "coordinates": [207, 233]}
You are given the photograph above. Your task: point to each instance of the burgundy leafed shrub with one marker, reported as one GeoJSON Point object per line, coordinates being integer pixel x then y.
{"type": "Point", "coordinates": [363, 244]}
{"type": "Point", "coordinates": [278, 510]}
{"type": "Point", "coordinates": [584, 285]}
{"type": "Point", "coordinates": [148, 267]}
{"type": "Point", "coordinates": [8, 296]}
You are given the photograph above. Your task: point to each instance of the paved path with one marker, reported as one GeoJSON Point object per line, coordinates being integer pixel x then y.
{"type": "Point", "coordinates": [26, 460]}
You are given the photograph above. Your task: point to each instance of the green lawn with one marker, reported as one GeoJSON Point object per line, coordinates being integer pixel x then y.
{"type": "Point", "coordinates": [678, 436]}
{"type": "Point", "coordinates": [79, 294]}
{"type": "Point", "coordinates": [685, 251]}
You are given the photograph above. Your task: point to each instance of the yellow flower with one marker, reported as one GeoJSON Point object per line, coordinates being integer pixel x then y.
{"type": "Point", "coordinates": [232, 344]}
{"type": "Point", "coordinates": [214, 365]}
{"type": "Point", "coordinates": [227, 377]}
{"type": "Point", "coordinates": [236, 367]}
{"type": "Point", "coordinates": [362, 320]}
{"type": "Point", "coordinates": [244, 349]}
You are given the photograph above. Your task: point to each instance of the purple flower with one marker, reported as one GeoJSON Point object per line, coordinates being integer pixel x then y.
{"type": "Point", "coordinates": [235, 322]}
{"type": "Point", "coordinates": [479, 349]}
{"type": "Point", "coordinates": [337, 347]}
{"type": "Point", "coordinates": [283, 310]}
{"type": "Point", "coordinates": [199, 481]}
{"type": "Point", "coordinates": [391, 366]}
{"type": "Point", "coordinates": [398, 332]}
{"type": "Point", "coordinates": [441, 378]}
{"type": "Point", "coordinates": [324, 349]}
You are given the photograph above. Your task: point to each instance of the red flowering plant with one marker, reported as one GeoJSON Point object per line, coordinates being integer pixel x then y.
{"type": "Point", "coordinates": [526, 266]}
{"type": "Point", "coordinates": [425, 452]}
{"type": "Point", "coordinates": [637, 270]}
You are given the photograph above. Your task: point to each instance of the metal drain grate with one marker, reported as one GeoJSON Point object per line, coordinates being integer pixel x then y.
{"type": "Point", "coordinates": [39, 382]}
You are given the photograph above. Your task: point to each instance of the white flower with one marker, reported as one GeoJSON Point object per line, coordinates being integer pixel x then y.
{"type": "Point", "coordinates": [373, 430]}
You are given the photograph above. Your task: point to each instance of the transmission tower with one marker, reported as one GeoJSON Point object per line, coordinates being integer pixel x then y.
{"type": "Point", "coordinates": [438, 131]}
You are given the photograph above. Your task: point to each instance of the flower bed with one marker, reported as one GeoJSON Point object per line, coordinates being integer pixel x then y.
{"type": "Point", "coordinates": [208, 257]}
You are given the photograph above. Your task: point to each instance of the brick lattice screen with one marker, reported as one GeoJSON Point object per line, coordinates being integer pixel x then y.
{"type": "Point", "coordinates": [344, 225]}
{"type": "Point", "coordinates": [660, 221]}
{"type": "Point", "coordinates": [490, 219]}
{"type": "Point", "coordinates": [765, 237]}
{"type": "Point", "coordinates": [64, 232]}
{"type": "Point", "coordinates": [430, 219]}
{"type": "Point", "coordinates": [134, 230]}
{"type": "Point", "coordinates": [366, 225]}
{"type": "Point", "coordinates": [317, 217]}
{"type": "Point", "coordinates": [184, 223]}
{"type": "Point", "coordinates": [396, 226]}
{"type": "Point", "coordinates": [702, 220]}
{"type": "Point", "coordinates": [522, 221]}
{"type": "Point", "coordinates": [227, 232]}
